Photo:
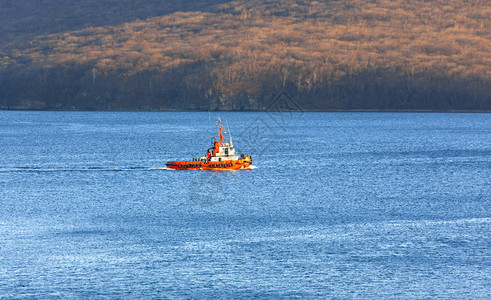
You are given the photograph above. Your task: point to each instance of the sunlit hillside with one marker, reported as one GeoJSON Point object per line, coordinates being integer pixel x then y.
{"type": "Point", "coordinates": [325, 55]}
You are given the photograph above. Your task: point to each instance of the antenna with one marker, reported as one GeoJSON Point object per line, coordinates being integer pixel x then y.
{"type": "Point", "coordinates": [229, 133]}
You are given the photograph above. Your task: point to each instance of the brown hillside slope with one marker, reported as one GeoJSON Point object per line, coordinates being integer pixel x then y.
{"type": "Point", "coordinates": [355, 54]}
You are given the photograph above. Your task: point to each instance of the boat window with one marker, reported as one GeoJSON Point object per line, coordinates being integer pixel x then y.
{"type": "Point", "coordinates": [226, 151]}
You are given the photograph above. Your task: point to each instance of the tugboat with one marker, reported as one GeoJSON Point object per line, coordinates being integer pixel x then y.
{"type": "Point", "coordinates": [221, 156]}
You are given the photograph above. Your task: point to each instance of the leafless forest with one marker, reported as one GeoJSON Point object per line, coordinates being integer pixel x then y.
{"type": "Point", "coordinates": [238, 55]}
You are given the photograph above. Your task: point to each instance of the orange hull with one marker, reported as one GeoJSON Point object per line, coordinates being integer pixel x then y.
{"type": "Point", "coordinates": [210, 165]}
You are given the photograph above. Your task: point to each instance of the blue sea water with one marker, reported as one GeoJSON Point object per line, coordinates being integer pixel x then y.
{"type": "Point", "coordinates": [340, 205]}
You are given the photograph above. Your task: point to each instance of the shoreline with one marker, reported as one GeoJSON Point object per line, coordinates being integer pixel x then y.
{"type": "Point", "coordinates": [264, 111]}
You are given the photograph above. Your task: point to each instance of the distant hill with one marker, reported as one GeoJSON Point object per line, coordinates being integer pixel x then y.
{"type": "Point", "coordinates": [240, 55]}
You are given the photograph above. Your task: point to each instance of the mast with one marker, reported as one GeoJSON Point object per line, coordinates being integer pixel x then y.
{"type": "Point", "coordinates": [230, 134]}
{"type": "Point", "coordinates": [222, 137]}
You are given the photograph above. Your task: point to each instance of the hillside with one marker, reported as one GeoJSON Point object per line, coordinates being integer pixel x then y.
{"type": "Point", "coordinates": [25, 20]}
{"type": "Point", "coordinates": [326, 55]}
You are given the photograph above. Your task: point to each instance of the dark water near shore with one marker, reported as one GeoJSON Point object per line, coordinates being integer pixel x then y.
{"type": "Point", "coordinates": [340, 205]}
